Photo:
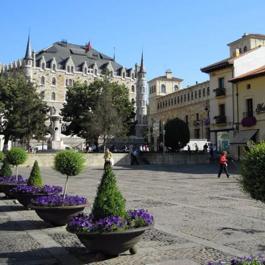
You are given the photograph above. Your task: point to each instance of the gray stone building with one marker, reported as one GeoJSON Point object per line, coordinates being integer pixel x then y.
{"type": "Point", "coordinates": [57, 67]}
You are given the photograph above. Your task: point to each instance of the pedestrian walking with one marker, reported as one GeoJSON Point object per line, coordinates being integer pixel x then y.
{"type": "Point", "coordinates": [223, 164]}
{"type": "Point", "coordinates": [108, 159]}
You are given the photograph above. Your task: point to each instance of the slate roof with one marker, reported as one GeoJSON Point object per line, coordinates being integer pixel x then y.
{"type": "Point", "coordinates": [218, 65]}
{"type": "Point", "coordinates": [62, 51]}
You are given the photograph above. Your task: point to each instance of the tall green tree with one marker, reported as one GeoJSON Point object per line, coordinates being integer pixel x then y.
{"type": "Point", "coordinates": [99, 109]}
{"type": "Point", "coordinates": [177, 134]}
{"type": "Point", "coordinates": [24, 113]}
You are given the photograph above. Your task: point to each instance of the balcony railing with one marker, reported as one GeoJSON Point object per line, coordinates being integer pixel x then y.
{"type": "Point", "coordinates": [248, 114]}
{"type": "Point", "coordinates": [220, 119]}
{"type": "Point", "coordinates": [219, 91]}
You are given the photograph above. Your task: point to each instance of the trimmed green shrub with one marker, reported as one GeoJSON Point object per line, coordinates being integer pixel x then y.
{"type": "Point", "coordinates": [2, 156]}
{"type": "Point", "coordinates": [109, 200]}
{"type": "Point", "coordinates": [5, 169]}
{"type": "Point", "coordinates": [16, 156]}
{"type": "Point", "coordinates": [69, 163]}
{"type": "Point", "coordinates": [253, 172]}
{"type": "Point", "coordinates": [35, 178]}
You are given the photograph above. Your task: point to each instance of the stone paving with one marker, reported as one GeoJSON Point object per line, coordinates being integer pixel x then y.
{"type": "Point", "coordinates": [198, 218]}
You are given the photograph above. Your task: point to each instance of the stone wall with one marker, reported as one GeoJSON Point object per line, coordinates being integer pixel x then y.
{"type": "Point", "coordinates": [123, 159]}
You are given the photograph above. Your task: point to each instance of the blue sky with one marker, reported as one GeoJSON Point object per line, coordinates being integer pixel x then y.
{"type": "Point", "coordinates": [181, 35]}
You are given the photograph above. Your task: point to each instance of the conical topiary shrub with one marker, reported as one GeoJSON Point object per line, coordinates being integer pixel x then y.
{"type": "Point", "coordinates": [35, 178]}
{"type": "Point", "coordinates": [5, 169]}
{"type": "Point", "coordinates": [109, 200]}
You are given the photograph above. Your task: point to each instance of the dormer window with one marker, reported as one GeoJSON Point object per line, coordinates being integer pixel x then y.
{"type": "Point", "coordinates": [176, 87]}
{"type": "Point", "coordinates": [53, 81]}
{"type": "Point", "coordinates": [96, 71]}
{"type": "Point", "coordinates": [42, 80]}
{"type": "Point", "coordinates": [72, 69]}
{"type": "Point", "coordinates": [43, 66]}
{"type": "Point", "coordinates": [68, 69]}
{"type": "Point", "coordinates": [123, 75]}
{"type": "Point", "coordinates": [85, 70]}
{"type": "Point", "coordinates": [54, 67]}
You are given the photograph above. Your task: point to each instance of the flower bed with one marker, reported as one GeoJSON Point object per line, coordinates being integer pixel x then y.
{"type": "Point", "coordinates": [58, 200]}
{"type": "Point", "coordinates": [250, 260]}
{"type": "Point", "coordinates": [13, 180]}
{"type": "Point", "coordinates": [133, 219]}
{"type": "Point", "coordinates": [27, 189]}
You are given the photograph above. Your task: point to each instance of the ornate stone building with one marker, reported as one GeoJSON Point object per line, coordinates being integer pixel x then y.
{"type": "Point", "coordinates": [167, 101]}
{"type": "Point", "coordinates": [57, 67]}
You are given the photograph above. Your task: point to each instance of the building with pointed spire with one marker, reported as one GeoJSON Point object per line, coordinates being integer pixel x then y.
{"type": "Point", "coordinates": [141, 109]}
{"type": "Point", "coordinates": [57, 67]}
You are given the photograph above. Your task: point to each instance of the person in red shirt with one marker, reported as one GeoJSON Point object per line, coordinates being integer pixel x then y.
{"type": "Point", "coordinates": [223, 164]}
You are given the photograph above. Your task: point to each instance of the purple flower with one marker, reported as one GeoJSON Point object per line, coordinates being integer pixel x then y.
{"type": "Point", "coordinates": [86, 223]}
{"type": "Point", "coordinates": [57, 200]}
{"type": "Point", "coordinates": [13, 180]}
{"type": "Point", "coordinates": [140, 217]}
{"type": "Point", "coordinates": [46, 189]}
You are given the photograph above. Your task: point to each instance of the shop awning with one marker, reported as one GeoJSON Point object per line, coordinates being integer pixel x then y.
{"type": "Point", "coordinates": [243, 136]}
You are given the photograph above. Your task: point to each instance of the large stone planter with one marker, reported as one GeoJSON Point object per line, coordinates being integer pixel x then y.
{"type": "Point", "coordinates": [6, 187]}
{"type": "Point", "coordinates": [25, 198]}
{"type": "Point", "coordinates": [112, 243]}
{"type": "Point", "coordinates": [58, 215]}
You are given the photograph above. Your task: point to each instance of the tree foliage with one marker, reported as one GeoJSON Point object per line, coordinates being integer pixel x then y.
{"type": "Point", "coordinates": [109, 200]}
{"type": "Point", "coordinates": [101, 108]}
{"type": "Point", "coordinates": [177, 134]}
{"type": "Point", "coordinates": [253, 172]}
{"type": "Point", "coordinates": [35, 178]}
{"type": "Point", "coordinates": [5, 169]}
{"type": "Point", "coordinates": [24, 113]}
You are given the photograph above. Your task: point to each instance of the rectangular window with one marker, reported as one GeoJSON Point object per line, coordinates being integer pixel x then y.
{"type": "Point", "coordinates": [196, 94]}
{"type": "Point", "coordinates": [197, 133]}
{"type": "Point", "coordinates": [249, 105]}
{"type": "Point", "coordinates": [203, 92]}
{"type": "Point", "coordinates": [187, 119]}
{"type": "Point", "coordinates": [222, 110]}
{"type": "Point", "coordinates": [200, 93]}
{"type": "Point", "coordinates": [197, 116]}
{"type": "Point", "coordinates": [221, 82]}
{"type": "Point", "coordinates": [192, 95]}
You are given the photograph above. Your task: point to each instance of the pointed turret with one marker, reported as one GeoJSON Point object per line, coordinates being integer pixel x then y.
{"type": "Point", "coordinates": [142, 63]}
{"type": "Point", "coordinates": [28, 54]}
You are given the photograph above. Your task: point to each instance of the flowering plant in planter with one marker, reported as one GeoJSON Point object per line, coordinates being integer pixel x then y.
{"type": "Point", "coordinates": [46, 189]}
{"type": "Point", "coordinates": [59, 209]}
{"type": "Point", "coordinates": [248, 121]}
{"type": "Point", "coordinates": [109, 228]}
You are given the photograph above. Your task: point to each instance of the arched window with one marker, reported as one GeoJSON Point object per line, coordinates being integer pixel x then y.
{"type": "Point", "coordinates": [96, 71]}
{"type": "Point", "coordinates": [43, 66]}
{"type": "Point", "coordinates": [133, 101]}
{"type": "Point", "coordinates": [72, 69]}
{"type": "Point", "coordinates": [163, 88]}
{"type": "Point", "coordinates": [42, 94]}
{"type": "Point", "coordinates": [85, 70]}
{"type": "Point", "coordinates": [133, 89]}
{"type": "Point", "coordinates": [123, 75]}
{"type": "Point", "coordinates": [53, 96]}
{"type": "Point", "coordinates": [66, 82]}
{"type": "Point", "coordinates": [42, 80]}
{"type": "Point", "coordinates": [68, 69]}
{"type": "Point", "coordinates": [176, 87]}
{"type": "Point", "coordinates": [70, 82]}
{"type": "Point", "coordinates": [54, 67]}
{"type": "Point", "coordinates": [53, 81]}
{"type": "Point", "coordinates": [132, 75]}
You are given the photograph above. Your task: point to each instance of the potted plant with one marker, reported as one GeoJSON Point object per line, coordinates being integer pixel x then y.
{"type": "Point", "coordinates": [15, 156]}
{"type": "Point", "coordinates": [59, 209]}
{"type": "Point", "coordinates": [109, 228]}
{"type": "Point", "coordinates": [34, 188]}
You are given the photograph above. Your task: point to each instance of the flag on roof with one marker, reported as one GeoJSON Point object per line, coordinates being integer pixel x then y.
{"type": "Point", "coordinates": [88, 47]}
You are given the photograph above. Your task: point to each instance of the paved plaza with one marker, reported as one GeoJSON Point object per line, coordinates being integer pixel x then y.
{"type": "Point", "coordinates": [198, 218]}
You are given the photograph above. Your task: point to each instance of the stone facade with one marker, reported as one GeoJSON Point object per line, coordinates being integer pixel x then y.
{"type": "Point", "coordinates": [246, 54]}
{"type": "Point", "coordinates": [168, 101]}
{"type": "Point", "coordinates": [57, 67]}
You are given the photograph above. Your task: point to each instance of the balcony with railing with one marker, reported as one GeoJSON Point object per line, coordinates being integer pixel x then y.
{"type": "Point", "coordinates": [219, 92]}
{"type": "Point", "coordinates": [248, 119]}
{"type": "Point", "coordinates": [221, 119]}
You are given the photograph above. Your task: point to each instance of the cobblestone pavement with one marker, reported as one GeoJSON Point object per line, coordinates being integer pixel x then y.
{"type": "Point", "coordinates": [198, 218]}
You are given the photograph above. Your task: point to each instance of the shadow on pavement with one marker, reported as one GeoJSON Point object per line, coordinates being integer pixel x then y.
{"type": "Point", "coordinates": [23, 225]}
{"type": "Point", "coordinates": [11, 208]}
